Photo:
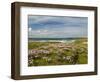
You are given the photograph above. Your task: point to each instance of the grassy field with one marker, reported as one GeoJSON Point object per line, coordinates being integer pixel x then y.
{"type": "Point", "coordinates": [57, 53]}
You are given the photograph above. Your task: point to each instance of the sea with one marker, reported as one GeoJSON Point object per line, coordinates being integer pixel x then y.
{"type": "Point", "coordinates": [52, 39]}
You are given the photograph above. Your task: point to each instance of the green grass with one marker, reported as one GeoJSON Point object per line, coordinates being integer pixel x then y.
{"type": "Point", "coordinates": [68, 54]}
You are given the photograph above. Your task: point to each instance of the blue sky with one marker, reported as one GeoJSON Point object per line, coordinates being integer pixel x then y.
{"type": "Point", "coordinates": [57, 26]}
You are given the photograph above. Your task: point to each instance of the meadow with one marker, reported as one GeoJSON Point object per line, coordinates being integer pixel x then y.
{"type": "Point", "coordinates": [48, 53]}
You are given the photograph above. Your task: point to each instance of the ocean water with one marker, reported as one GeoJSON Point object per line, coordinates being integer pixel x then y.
{"type": "Point", "coordinates": [52, 39]}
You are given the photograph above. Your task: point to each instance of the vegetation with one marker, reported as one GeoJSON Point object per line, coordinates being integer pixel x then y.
{"type": "Point", "coordinates": [57, 53]}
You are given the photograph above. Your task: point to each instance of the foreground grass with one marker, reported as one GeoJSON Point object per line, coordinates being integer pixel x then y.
{"type": "Point", "coordinates": [57, 53]}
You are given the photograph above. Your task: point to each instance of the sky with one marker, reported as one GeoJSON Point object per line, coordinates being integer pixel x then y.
{"type": "Point", "coordinates": [57, 26]}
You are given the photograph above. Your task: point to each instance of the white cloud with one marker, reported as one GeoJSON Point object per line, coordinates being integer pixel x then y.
{"type": "Point", "coordinates": [29, 29]}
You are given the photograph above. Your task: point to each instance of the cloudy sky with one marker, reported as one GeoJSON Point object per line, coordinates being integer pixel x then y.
{"type": "Point", "coordinates": [57, 26]}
